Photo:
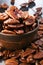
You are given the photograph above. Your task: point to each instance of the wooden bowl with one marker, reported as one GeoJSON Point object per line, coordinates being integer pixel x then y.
{"type": "Point", "coordinates": [11, 41]}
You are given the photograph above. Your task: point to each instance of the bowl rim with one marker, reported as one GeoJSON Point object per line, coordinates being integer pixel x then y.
{"type": "Point", "coordinates": [22, 34]}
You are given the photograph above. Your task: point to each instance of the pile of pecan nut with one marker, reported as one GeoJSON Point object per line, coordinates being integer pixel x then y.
{"type": "Point", "coordinates": [31, 55]}
{"type": "Point", "coordinates": [15, 21]}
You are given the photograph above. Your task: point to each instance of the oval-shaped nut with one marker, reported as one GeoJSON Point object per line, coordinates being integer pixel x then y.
{"type": "Point", "coordinates": [39, 43]}
{"type": "Point", "coordinates": [34, 46]}
{"type": "Point", "coordinates": [3, 16]}
{"type": "Point", "coordinates": [29, 21]}
{"type": "Point", "coordinates": [40, 32]}
{"type": "Point", "coordinates": [11, 21]}
{"type": "Point", "coordinates": [4, 6]}
{"type": "Point", "coordinates": [8, 32]}
{"type": "Point", "coordinates": [16, 26]}
{"type": "Point", "coordinates": [11, 14]}
{"type": "Point", "coordinates": [38, 55]}
{"type": "Point", "coordinates": [41, 27]}
{"type": "Point", "coordinates": [11, 62]}
{"type": "Point", "coordinates": [27, 52]}
{"type": "Point", "coordinates": [19, 31]}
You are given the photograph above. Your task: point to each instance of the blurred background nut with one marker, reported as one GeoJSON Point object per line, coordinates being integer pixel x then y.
{"type": "Point", "coordinates": [4, 6]}
{"type": "Point", "coordinates": [12, 2]}
{"type": "Point", "coordinates": [11, 62]}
